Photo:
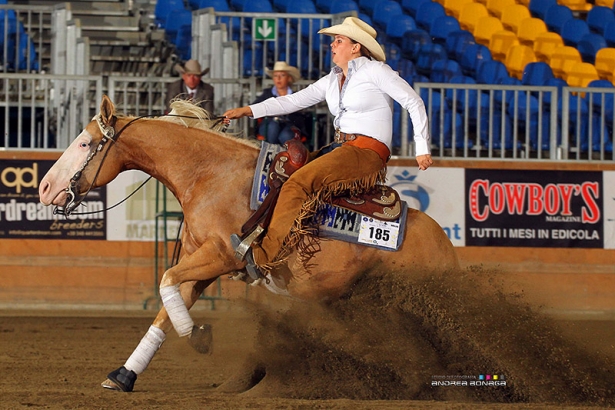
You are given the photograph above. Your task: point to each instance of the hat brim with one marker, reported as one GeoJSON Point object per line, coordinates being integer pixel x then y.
{"type": "Point", "coordinates": [292, 71]}
{"type": "Point", "coordinates": [358, 35]}
{"type": "Point", "coordinates": [181, 70]}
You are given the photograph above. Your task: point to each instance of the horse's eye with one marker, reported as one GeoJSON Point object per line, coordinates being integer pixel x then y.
{"type": "Point", "coordinates": [84, 145]}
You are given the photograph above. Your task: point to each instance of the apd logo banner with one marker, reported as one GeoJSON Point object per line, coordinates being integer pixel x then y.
{"type": "Point", "coordinates": [23, 216]}
{"type": "Point", "coordinates": [534, 208]}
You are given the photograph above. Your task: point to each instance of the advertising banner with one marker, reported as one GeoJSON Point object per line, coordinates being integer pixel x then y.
{"type": "Point", "coordinates": [534, 208]}
{"type": "Point", "coordinates": [609, 210]}
{"type": "Point", "coordinates": [23, 216]}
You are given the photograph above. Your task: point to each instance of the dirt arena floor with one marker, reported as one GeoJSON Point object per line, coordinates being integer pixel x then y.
{"type": "Point", "coordinates": [383, 347]}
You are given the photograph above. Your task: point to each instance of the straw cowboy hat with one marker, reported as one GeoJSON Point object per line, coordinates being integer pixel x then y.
{"type": "Point", "coordinates": [359, 31]}
{"type": "Point", "coordinates": [191, 67]}
{"type": "Point", "coordinates": [282, 66]}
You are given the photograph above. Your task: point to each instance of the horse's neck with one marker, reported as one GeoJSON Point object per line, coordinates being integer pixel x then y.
{"type": "Point", "coordinates": [189, 159]}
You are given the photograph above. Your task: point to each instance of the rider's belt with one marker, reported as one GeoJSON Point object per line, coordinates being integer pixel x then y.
{"type": "Point", "coordinates": [363, 141]}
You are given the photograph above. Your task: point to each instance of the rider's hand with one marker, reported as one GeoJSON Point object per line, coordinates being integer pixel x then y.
{"type": "Point", "coordinates": [235, 113]}
{"type": "Point", "coordinates": [424, 161]}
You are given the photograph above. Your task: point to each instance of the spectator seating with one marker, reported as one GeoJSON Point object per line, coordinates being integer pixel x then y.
{"type": "Point", "coordinates": [589, 45]}
{"type": "Point", "coordinates": [412, 6]}
{"type": "Point", "coordinates": [539, 8]}
{"type": "Point", "coordinates": [598, 18]}
{"type": "Point", "coordinates": [562, 59]}
{"type": "Point", "coordinates": [544, 45]}
{"type": "Point", "coordinates": [427, 13]}
{"type": "Point", "coordinates": [556, 16]}
{"type": "Point", "coordinates": [457, 41]}
{"type": "Point", "coordinates": [453, 7]}
{"type": "Point", "coordinates": [339, 6]}
{"type": "Point", "coordinates": [412, 41]}
{"type": "Point", "coordinates": [442, 27]}
{"type": "Point", "coordinates": [491, 72]}
{"type": "Point", "coordinates": [501, 41]}
{"type": "Point", "coordinates": [443, 70]}
{"type": "Point", "coordinates": [470, 14]}
{"type": "Point", "coordinates": [398, 26]}
{"type": "Point", "coordinates": [529, 29]}
{"type": "Point", "coordinates": [605, 63]}
{"type": "Point", "coordinates": [573, 30]}
{"type": "Point", "coordinates": [163, 8]}
{"type": "Point", "coordinates": [577, 5]}
{"type": "Point", "coordinates": [484, 29]}
{"type": "Point", "coordinates": [473, 56]}
{"type": "Point", "coordinates": [513, 15]}
{"type": "Point", "coordinates": [536, 74]}
{"type": "Point", "coordinates": [517, 58]}
{"type": "Point", "coordinates": [427, 56]}
{"type": "Point", "coordinates": [580, 74]}
{"type": "Point", "coordinates": [384, 11]}
{"type": "Point", "coordinates": [495, 7]}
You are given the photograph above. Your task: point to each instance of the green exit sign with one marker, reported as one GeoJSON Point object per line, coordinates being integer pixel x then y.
{"type": "Point", "coordinates": [264, 29]}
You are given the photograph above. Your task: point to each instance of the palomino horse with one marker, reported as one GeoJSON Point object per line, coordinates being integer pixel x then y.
{"type": "Point", "coordinates": [210, 173]}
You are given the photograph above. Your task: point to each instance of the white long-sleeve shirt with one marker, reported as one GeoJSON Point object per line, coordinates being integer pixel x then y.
{"type": "Point", "coordinates": [363, 106]}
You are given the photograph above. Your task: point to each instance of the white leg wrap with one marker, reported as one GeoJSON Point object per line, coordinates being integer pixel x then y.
{"type": "Point", "coordinates": [143, 354]}
{"type": "Point", "coordinates": [177, 310]}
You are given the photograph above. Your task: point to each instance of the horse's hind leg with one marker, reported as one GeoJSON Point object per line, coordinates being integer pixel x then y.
{"type": "Point", "coordinates": [123, 378]}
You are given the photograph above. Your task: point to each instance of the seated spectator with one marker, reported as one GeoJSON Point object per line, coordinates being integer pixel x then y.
{"type": "Point", "coordinates": [190, 87]}
{"type": "Point", "coordinates": [278, 130]}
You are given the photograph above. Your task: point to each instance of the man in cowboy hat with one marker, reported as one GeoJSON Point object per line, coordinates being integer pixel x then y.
{"type": "Point", "coordinates": [190, 87]}
{"type": "Point", "coordinates": [279, 129]}
{"type": "Point", "coordinates": [359, 92]}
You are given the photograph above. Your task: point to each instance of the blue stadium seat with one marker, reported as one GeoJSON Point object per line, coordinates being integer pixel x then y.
{"type": "Point", "coordinates": [441, 132]}
{"type": "Point", "coordinates": [367, 6]}
{"type": "Point", "coordinates": [428, 55]}
{"type": "Point", "coordinates": [340, 6]}
{"type": "Point", "coordinates": [412, 6]}
{"type": "Point", "coordinates": [443, 70]}
{"type": "Point", "coordinates": [257, 6]}
{"type": "Point", "coordinates": [538, 8]}
{"type": "Point", "coordinates": [491, 72]}
{"type": "Point", "coordinates": [598, 18]}
{"type": "Point", "coordinates": [457, 41]}
{"type": "Point", "coordinates": [609, 33]}
{"type": "Point", "coordinates": [412, 41]}
{"type": "Point", "coordinates": [384, 11]}
{"type": "Point", "coordinates": [589, 45]}
{"type": "Point", "coordinates": [176, 19]}
{"type": "Point", "coordinates": [183, 42]}
{"type": "Point", "coordinates": [366, 18]}
{"type": "Point", "coordinates": [472, 57]}
{"type": "Point", "coordinates": [573, 30]}
{"type": "Point", "coordinates": [406, 70]}
{"type": "Point", "coordinates": [556, 16]}
{"type": "Point", "coordinates": [398, 26]}
{"type": "Point", "coordinates": [537, 73]}
{"type": "Point", "coordinates": [218, 5]}
{"type": "Point", "coordinates": [162, 10]}
{"type": "Point", "coordinates": [323, 6]}
{"type": "Point", "coordinates": [278, 5]}
{"type": "Point", "coordinates": [442, 27]}
{"type": "Point", "coordinates": [427, 13]}
{"type": "Point", "coordinates": [303, 7]}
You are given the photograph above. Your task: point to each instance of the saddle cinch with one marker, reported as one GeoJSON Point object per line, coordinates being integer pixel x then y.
{"type": "Point", "coordinates": [375, 218]}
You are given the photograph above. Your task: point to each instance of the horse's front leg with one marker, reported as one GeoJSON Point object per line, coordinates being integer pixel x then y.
{"type": "Point", "coordinates": [180, 288]}
{"type": "Point", "coordinates": [210, 261]}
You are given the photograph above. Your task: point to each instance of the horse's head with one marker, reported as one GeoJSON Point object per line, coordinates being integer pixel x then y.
{"type": "Point", "coordinates": [80, 168]}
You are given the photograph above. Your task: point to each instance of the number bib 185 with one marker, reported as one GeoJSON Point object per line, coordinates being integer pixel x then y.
{"type": "Point", "coordinates": [378, 232]}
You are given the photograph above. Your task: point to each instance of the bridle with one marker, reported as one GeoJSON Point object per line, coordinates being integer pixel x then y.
{"type": "Point", "coordinates": [108, 134]}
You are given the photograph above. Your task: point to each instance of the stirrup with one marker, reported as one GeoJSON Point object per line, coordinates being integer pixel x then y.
{"type": "Point", "coordinates": [242, 246]}
{"type": "Point", "coordinates": [251, 268]}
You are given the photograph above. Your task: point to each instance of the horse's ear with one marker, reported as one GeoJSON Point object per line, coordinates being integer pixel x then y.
{"type": "Point", "coordinates": [107, 109]}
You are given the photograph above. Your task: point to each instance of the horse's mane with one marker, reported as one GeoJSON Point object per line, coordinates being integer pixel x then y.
{"type": "Point", "coordinates": [190, 115]}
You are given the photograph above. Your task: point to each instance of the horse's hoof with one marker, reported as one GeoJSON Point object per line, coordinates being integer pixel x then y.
{"type": "Point", "coordinates": [120, 379]}
{"type": "Point", "coordinates": [201, 339]}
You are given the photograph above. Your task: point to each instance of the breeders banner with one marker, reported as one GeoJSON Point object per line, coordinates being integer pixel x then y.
{"type": "Point", "coordinates": [534, 208]}
{"type": "Point", "coordinates": [23, 216]}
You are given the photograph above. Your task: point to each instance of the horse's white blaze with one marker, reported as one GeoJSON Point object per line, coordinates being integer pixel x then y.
{"type": "Point", "coordinates": [52, 189]}
{"type": "Point", "coordinates": [177, 310]}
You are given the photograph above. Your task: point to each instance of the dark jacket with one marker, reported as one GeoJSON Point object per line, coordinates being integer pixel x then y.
{"type": "Point", "coordinates": [204, 94]}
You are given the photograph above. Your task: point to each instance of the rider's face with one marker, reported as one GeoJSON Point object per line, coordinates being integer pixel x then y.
{"type": "Point", "coordinates": [191, 80]}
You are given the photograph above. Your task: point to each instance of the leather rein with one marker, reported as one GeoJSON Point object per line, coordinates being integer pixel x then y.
{"type": "Point", "coordinates": [109, 134]}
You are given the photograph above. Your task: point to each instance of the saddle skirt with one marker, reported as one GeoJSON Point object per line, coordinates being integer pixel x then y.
{"type": "Point", "coordinates": [376, 218]}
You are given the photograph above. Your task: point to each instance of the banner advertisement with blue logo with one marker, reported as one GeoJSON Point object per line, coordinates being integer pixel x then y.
{"type": "Point", "coordinates": [23, 216]}
{"type": "Point", "coordinates": [560, 209]}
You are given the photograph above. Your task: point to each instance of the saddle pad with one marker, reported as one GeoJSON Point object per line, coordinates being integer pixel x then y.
{"type": "Point", "coordinates": [335, 222]}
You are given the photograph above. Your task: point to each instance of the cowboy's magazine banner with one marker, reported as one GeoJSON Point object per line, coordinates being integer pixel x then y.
{"type": "Point", "coordinates": [23, 216]}
{"type": "Point", "coordinates": [534, 208]}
